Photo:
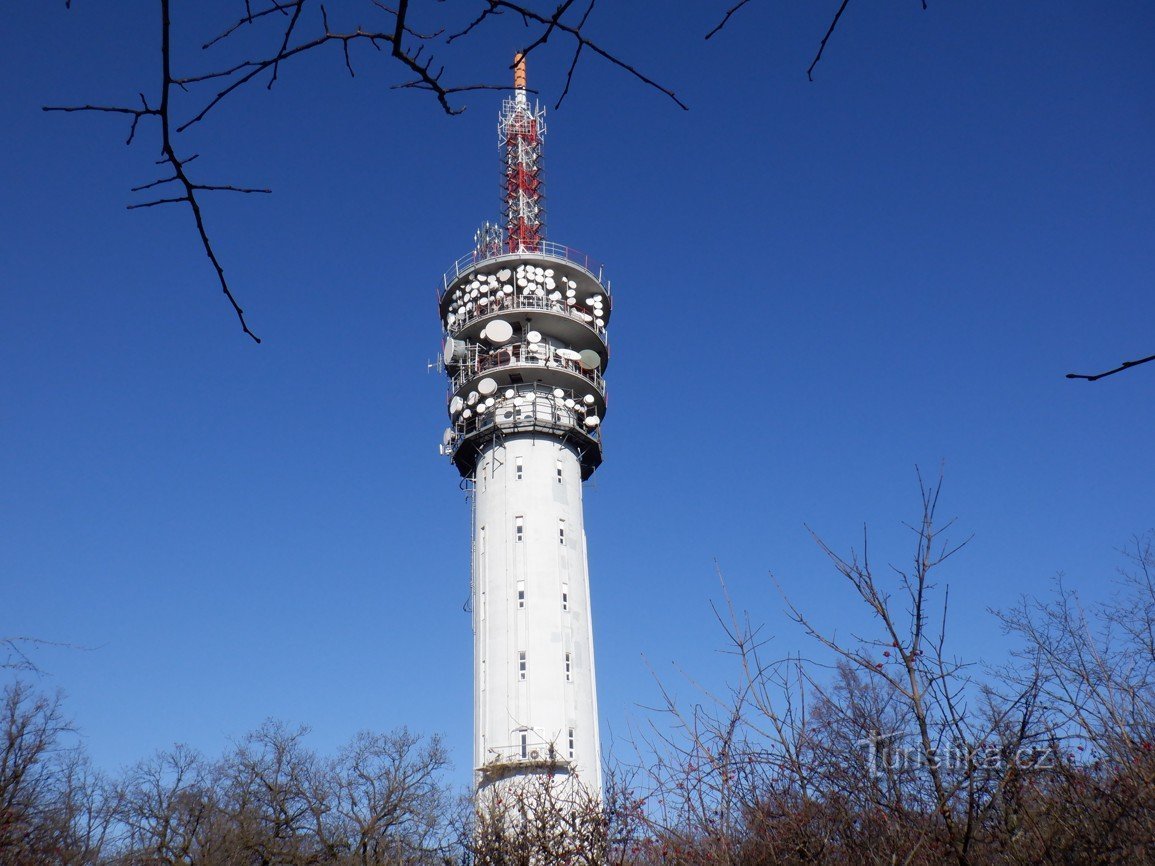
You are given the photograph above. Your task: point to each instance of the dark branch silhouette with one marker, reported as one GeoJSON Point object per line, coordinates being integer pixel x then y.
{"type": "Point", "coordinates": [1126, 365]}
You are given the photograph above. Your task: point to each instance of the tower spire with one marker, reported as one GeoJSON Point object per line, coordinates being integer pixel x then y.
{"type": "Point", "coordinates": [521, 128]}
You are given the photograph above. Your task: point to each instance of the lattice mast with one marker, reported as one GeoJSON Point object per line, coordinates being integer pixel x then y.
{"type": "Point", "coordinates": [521, 128]}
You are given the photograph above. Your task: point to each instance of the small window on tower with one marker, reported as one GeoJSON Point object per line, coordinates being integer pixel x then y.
{"type": "Point", "coordinates": [561, 532]}
{"type": "Point", "coordinates": [568, 667]}
{"type": "Point", "coordinates": [518, 528]}
{"type": "Point", "coordinates": [518, 468]}
{"type": "Point", "coordinates": [521, 665]}
{"type": "Point", "coordinates": [525, 744]}
{"type": "Point", "coordinates": [571, 744]}
{"type": "Point", "coordinates": [559, 475]}
{"type": "Point", "coordinates": [565, 596]}
{"type": "Point", "coordinates": [521, 593]}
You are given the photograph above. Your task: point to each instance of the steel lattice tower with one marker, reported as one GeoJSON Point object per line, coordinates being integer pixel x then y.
{"type": "Point", "coordinates": [525, 349]}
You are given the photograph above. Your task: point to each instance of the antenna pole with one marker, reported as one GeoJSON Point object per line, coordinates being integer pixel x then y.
{"type": "Point", "coordinates": [521, 129]}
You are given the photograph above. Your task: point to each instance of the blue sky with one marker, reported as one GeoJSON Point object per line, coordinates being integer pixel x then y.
{"type": "Point", "coordinates": [818, 286]}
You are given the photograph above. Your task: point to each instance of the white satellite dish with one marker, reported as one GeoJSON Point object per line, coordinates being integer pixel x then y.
{"type": "Point", "coordinates": [569, 403]}
{"type": "Point", "coordinates": [570, 302]}
{"type": "Point", "coordinates": [507, 289]}
{"type": "Point", "coordinates": [585, 317]}
{"type": "Point", "coordinates": [486, 386]}
{"type": "Point", "coordinates": [447, 437]}
{"type": "Point", "coordinates": [555, 296]}
{"type": "Point", "coordinates": [549, 272]}
{"type": "Point", "coordinates": [589, 359]}
{"type": "Point", "coordinates": [569, 354]}
{"type": "Point", "coordinates": [592, 421]}
{"type": "Point", "coordinates": [533, 337]}
{"type": "Point", "coordinates": [601, 323]}
{"type": "Point", "coordinates": [498, 331]}
{"type": "Point", "coordinates": [481, 408]}
{"type": "Point", "coordinates": [589, 399]}
{"type": "Point", "coordinates": [454, 351]}
{"type": "Point", "coordinates": [509, 392]}
{"type": "Point", "coordinates": [558, 392]}
{"type": "Point", "coordinates": [455, 405]}
{"type": "Point", "coordinates": [468, 413]}
{"type": "Point", "coordinates": [504, 274]}
{"type": "Point", "coordinates": [471, 398]}
{"type": "Point", "coordinates": [571, 293]}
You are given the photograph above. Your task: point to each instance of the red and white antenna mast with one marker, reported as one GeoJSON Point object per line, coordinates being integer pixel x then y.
{"type": "Point", "coordinates": [521, 129]}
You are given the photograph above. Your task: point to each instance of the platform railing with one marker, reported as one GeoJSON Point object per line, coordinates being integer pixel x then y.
{"type": "Point", "coordinates": [502, 301]}
{"type": "Point", "coordinates": [546, 248]}
{"type": "Point", "coordinates": [477, 361]}
{"type": "Point", "coordinates": [536, 409]}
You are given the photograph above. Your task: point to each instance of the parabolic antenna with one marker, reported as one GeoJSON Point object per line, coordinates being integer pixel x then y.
{"type": "Point", "coordinates": [589, 399]}
{"type": "Point", "coordinates": [471, 398]}
{"type": "Point", "coordinates": [454, 351]}
{"type": "Point", "coordinates": [570, 354]}
{"type": "Point", "coordinates": [589, 359]}
{"type": "Point", "coordinates": [455, 405]}
{"type": "Point", "coordinates": [447, 437]}
{"type": "Point", "coordinates": [592, 421]}
{"type": "Point", "coordinates": [533, 337]}
{"type": "Point", "coordinates": [558, 392]}
{"type": "Point", "coordinates": [509, 392]}
{"type": "Point", "coordinates": [486, 386]}
{"type": "Point", "coordinates": [498, 331]}
{"type": "Point", "coordinates": [503, 274]}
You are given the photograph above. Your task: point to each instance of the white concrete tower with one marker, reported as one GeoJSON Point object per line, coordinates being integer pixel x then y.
{"type": "Point", "coordinates": [525, 347]}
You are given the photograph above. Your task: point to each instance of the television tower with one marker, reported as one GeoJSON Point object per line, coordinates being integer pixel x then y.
{"type": "Point", "coordinates": [525, 349]}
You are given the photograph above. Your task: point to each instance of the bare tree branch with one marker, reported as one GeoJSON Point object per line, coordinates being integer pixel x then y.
{"type": "Point", "coordinates": [1126, 365]}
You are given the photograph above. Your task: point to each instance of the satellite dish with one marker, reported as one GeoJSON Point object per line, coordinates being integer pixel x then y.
{"type": "Point", "coordinates": [555, 296]}
{"type": "Point", "coordinates": [533, 337]}
{"type": "Point", "coordinates": [569, 354]}
{"type": "Point", "coordinates": [468, 413]}
{"type": "Point", "coordinates": [454, 351]}
{"type": "Point", "coordinates": [472, 398]}
{"type": "Point", "coordinates": [486, 386]}
{"type": "Point", "coordinates": [447, 437]}
{"type": "Point", "coordinates": [585, 317]}
{"type": "Point", "coordinates": [571, 293]}
{"type": "Point", "coordinates": [570, 302]}
{"type": "Point", "coordinates": [592, 421]}
{"type": "Point", "coordinates": [588, 399]}
{"type": "Point", "coordinates": [509, 392]}
{"type": "Point", "coordinates": [549, 272]}
{"type": "Point", "coordinates": [504, 274]}
{"type": "Point", "coordinates": [455, 405]}
{"type": "Point", "coordinates": [601, 323]}
{"type": "Point", "coordinates": [498, 331]}
{"type": "Point", "coordinates": [569, 403]}
{"type": "Point", "coordinates": [589, 359]}
{"type": "Point", "coordinates": [558, 392]}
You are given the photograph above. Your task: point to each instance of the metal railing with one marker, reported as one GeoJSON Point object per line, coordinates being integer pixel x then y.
{"type": "Point", "coordinates": [536, 751]}
{"type": "Point", "coordinates": [476, 361]}
{"type": "Point", "coordinates": [546, 248]}
{"type": "Point", "coordinates": [502, 301]}
{"type": "Point", "coordinates": [533, 407]}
